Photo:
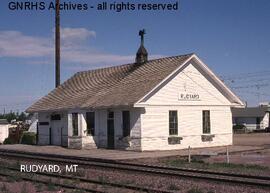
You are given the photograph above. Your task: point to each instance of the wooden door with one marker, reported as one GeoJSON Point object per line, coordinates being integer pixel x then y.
{"type": "Point", "coordinates": [110, 130]}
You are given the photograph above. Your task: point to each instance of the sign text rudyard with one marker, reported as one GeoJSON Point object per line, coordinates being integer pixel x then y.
{"type": "Point", "coordinates": [188, 97]}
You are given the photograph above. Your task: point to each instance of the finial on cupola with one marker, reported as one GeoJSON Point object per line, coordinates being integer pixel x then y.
{"type": "Point", "coordinates": [142, 55]}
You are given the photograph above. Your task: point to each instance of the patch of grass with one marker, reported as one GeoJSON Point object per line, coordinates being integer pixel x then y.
{"type": "Point", "coordinates": [24, 190]}
{"type": "Point", "coordinates": [173, 187]}
{"type": "Point", "coordinates": [77, 181]}
{"type": "Point", "coordinates": [81, 173]}
{"type": "Point", "coordinates": [77, 191]}
{"type": "Point", "coordinates": [195, 190]}
{"type": "Point", "coordinates": [124, 182]}
{"type": "Point", "coordinates": [64, 172]}
{"type": "Point", "coordinates": [16, 165]}
{"type": "Point", "coordinates": [3, 188]}
{"type": "Point", "coordinates": [39, 187]}
{"type": "Point", "coordinates": [14, 179]}
{"type": "Point", "coordinates": [102, 179]}
{"type": "Point", "coordinates": [238, 166]}
{"type": "Point", "coordinates": [68, 182]}
{"type": "Point", "coordinates": [200, 164]}
{"type": "Point", "coordinates": [95, 186]}
{"type": "Point", "coordinates": [51, 186]}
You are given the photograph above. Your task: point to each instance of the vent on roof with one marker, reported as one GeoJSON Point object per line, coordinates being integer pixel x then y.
{"type": "Point", "coordinates": [142, 55]}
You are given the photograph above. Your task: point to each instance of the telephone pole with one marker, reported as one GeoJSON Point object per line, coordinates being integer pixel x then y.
{"type": "Point", "coordinates": [57, 43]}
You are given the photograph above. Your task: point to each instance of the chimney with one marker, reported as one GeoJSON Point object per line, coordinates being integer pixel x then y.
{"type": "Point", "coordinates": [142, 55]}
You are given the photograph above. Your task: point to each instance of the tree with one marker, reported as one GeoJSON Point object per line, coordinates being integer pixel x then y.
{"type": "Point", "coordinates": [22, 117]}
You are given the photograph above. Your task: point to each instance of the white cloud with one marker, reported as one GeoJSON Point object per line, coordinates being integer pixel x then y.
{"type": "Point", "coordinates": [16, 44]}
{"type": "Point", "coordinates": [74, 34]}
{"type": "Point", "coordinates": [40, 50]}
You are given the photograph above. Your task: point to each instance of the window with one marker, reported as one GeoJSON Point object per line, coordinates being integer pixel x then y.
{"type": "Point", "coordinates": [43, 123]}
{"type": "Point", "coordinates": [206, 122]}
{"type": "Point", "coordinates": [56, 117]}
{"type": "Point", "coordinates": [126, 123]}
{"type": "Point", "coordinates": [258, 120]}
{"type": "Point", "coordinates": [75, 124]}
{"type": "Point", "coordinates": [90, 120]}
{"type": "Point", "coordinates": [111, 115]}
{"type": "Point", "coordinates": [173, 123]}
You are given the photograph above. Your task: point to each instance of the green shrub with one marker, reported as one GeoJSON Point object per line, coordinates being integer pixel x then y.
{"type": "Point", "coordinates": [239, 128]}
{"type": "Point", "coordinates": [28, 138]}
{"type": "Point", "coordinates": [8, 141]}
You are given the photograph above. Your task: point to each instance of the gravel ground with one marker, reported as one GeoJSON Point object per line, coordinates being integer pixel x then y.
{"type": "Point", "coordinates": [24, 187]}
{"type": "Point", "coordinates": [174, 184]}
{"type": "Point", "coordinates": [181, 185]}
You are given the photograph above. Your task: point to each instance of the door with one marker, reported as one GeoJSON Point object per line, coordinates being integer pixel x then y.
{"type": "Point", "coordinates": [110, 130]}
{"type": "Point", "coordinates": [56, 132]}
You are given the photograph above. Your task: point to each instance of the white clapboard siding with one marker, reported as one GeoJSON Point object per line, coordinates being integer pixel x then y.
{"type": "Point", "coordinates": [155, 127]}
{"type": "Point", "coordinates": [88, 141]}
{"type": "Point", "coordinates": [265, 121]}
{"type": "Point", "coordinates": [4, 131]}
{"type": "Point", "coordinates": [190, 80]}
{"type": "Point", "coordinates": [102, 128]}
{"type": "Point", "coordinates": [135, 128]}
{"type": "Point", "coordinates": [155, 120]}
{"type": "Point", "coordinates": [44, 130]}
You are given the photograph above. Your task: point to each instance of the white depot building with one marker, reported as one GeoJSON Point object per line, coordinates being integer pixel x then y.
{"type": "Point", "coordinates": [161, 104]}
{"type": "Point", "coordinates": [4, 130]}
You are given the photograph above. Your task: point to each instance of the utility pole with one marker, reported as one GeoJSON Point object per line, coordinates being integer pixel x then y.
{"type": "Point", "coordinates": [57, 43]}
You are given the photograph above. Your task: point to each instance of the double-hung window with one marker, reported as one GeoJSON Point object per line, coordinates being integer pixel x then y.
{"type": "Point", "coordinates": [75, 124]}
{"type": "Point", "coordinates": [173, 123]}
{"type": "Point", "coordinates": [126, 123]}
{"type": "Point", "coordinates": [206, 122]}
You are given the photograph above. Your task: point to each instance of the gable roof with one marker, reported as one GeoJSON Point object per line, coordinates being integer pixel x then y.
{"type": "Point", "coordinates": [206, 72]}
{"type": "Point", "coordinates": [108, 87]}
{"type": "Point", "coordinates": [259, 111]}
{"type": "Point", "coordinates": [116, 86]}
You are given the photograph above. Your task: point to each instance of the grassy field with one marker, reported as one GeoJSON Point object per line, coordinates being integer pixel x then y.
{"type": "Point", "coordinates": [199, 163]}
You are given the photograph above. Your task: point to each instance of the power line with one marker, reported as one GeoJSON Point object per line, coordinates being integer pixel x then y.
{"type": "Point", "coordinates": [251, 86]}
{"type": "Point", "coordinates": [246, 75]}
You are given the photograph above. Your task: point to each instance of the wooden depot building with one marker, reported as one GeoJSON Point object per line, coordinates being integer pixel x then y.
{"type": "Point", "coordinates": [161, 104]}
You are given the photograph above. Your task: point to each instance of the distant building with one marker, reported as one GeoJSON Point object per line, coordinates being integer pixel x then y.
{"type": "Point", "coordinates": [32, 121]}
{"type": "Point", "coordinates": [253, 118]}
{"type": "Point", "coordinates": [3, 130]}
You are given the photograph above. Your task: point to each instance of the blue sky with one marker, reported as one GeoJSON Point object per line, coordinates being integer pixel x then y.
{"type": "Point", "coordinates": [230, 36]}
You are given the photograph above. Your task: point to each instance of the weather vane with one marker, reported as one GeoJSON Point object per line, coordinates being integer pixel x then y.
{"type": "Point", "coordinates": [141, 33]}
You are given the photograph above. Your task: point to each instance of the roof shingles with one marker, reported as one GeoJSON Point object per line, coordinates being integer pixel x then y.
{"type": "Point", "coordinates": [109, 87]}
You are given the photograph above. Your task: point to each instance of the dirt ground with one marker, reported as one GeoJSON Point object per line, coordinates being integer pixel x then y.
{"type": "Point", "coordinates": [257, 161]}
{"type": "Point", "coordinates": [252, 139]}
{"type": "Point", "coordinates": [257, 157]}
{"type": "Point", "coordinates": [260, 157]}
